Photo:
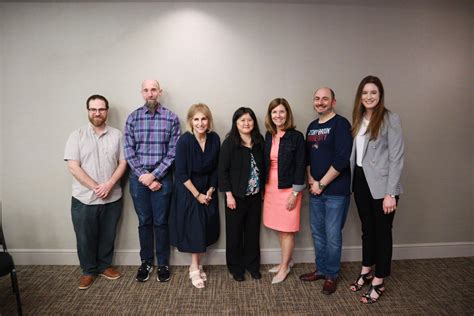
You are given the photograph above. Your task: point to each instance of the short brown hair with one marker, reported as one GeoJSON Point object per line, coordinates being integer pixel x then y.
{"type": "Point", "coordinates": [95, 97]}
{"type": "Point", "coordinates": [289, 123]}
{"type": "Point", "coordinates": [202, 108]}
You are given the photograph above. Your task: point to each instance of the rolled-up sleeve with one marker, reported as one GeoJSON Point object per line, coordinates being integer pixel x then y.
{"type": "Point", "coordinates": [300, 164]}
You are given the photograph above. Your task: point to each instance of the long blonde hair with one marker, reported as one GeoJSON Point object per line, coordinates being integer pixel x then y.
{"type": "Point", "coordinates": [377, 117]}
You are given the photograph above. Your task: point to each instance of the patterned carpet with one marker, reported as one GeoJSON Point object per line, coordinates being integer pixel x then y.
{"type": "Point", "coordinates": [416, 287]}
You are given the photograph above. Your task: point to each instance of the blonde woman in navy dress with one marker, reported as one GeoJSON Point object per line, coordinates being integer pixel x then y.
{"type": "Point", "coordinates": [194, 217]}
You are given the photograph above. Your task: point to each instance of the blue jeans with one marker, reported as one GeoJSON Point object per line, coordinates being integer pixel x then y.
{"type": "Point", "coordinates": [95, 227]}
{"type": "Point", "coordinates": [152, 209]}
{"type": "Point", "coordinates": [327, 216]}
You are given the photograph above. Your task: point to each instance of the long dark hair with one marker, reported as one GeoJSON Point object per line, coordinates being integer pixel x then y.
{"type": "Point", "coordinates": [234, 134]}
{"type": "Point", "coordinates": [378, 114]}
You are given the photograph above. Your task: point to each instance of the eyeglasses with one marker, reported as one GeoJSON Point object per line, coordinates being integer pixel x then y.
{"type": "Point", "coordinates": [101, 111]}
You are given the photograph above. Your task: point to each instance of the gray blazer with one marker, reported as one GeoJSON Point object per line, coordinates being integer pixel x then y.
{"type": "Point", "coordinates": [382, 159]}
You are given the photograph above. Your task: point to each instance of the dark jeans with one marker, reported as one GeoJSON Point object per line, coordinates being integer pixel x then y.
{"type": "Point", "coordinates": [243, 234]}
{"type": "Point", "coordinates": [376, 227]}
{"type": "Point", "coordinates": [152, 209]}
{"type": "Point", "coordinates": [95, 227]}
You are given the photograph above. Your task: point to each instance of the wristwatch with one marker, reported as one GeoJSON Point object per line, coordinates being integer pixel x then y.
{"type": "Point", "coordinates": [322, 186]}
{"type": "Point", "coordinates": [392, 195]}
{"type": "Point", "coordinates": [295, 194]}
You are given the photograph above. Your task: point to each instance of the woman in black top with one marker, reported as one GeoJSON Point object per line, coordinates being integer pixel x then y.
{"type": "Point", "coordinates": [194, 215]}
{"type": "Point", "coordinates": [241, 177]}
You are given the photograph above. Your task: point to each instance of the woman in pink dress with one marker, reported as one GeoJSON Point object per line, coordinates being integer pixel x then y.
{"type": "Point", "coordinates": [284, 155]}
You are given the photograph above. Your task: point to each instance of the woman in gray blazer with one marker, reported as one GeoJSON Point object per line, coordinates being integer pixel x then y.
{"type": "Point", "coordinates": [376, 166]}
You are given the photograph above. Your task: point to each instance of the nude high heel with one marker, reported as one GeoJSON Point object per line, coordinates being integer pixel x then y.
{"type": "Point", "coordinates": [276, 280]}
{"type": "Point", "coordinates": [275, 269]}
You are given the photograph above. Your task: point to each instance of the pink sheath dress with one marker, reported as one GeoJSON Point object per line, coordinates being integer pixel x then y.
{"type": "Point", "coordinates": [275, 214]}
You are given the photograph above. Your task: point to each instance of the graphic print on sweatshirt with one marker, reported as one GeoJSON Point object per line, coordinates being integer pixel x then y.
{"type": "Point", "coordinates": [316, 136]}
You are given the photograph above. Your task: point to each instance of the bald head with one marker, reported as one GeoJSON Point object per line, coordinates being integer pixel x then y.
{"type": "Point", "coordinates": [326, 89]}
{"type": "Point", "coordinates": [151, 92]}
{"type": "Point", "coordinates": [151, 82]}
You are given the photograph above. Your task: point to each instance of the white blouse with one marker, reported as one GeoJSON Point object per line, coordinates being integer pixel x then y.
{"type": "Point", "coordinates": [360, 141]}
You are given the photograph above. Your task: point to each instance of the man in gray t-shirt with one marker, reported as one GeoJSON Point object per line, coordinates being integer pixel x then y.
{"type": "Point", "coordinates": [94, 155]}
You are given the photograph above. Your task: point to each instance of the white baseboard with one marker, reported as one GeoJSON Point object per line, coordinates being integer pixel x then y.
{"type": "Point", "coordinates": [269, 255]}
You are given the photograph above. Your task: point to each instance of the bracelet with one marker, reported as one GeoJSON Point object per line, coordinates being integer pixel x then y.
{"type": "Point", "coordinates": [197, 196]}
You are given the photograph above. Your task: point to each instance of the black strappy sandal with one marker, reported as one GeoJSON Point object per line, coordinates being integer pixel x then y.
{"type": "Point", "coordinates": [379, 289]}
{"type": "Point", "coordinates": [366, 277]}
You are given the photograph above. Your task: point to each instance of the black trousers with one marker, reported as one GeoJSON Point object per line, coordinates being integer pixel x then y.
{"type": "Point", "coordinates": [243, 234]}
{"type": "Point", "coordinates": [376, 227]}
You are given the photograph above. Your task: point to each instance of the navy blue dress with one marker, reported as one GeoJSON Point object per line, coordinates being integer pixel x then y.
{"type": "Point", "coordinates": [194, 226]}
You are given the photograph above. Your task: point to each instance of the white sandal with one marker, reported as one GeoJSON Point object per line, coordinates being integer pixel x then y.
{"type": "Point", "coordinates": [196, 279]}
{"type": "Point", "coordinates": [203, 274]}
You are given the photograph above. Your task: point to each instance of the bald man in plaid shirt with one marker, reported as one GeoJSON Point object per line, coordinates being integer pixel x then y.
{"type": "Point", "coordinates": [151, 133]}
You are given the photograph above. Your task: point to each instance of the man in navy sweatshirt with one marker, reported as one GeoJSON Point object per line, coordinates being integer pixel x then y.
{"type": "Point", "coordinates": [328, 148]}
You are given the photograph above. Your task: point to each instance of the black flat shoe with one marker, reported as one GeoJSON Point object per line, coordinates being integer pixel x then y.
{"type": "Point", "coordinates": [238, 277]}
{"type": "Point", "coordinates": [256, 275]}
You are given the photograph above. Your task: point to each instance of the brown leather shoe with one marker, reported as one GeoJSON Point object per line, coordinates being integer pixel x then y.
{"type": "Point", "coordinates": [312, 276]}
{"type": "Point", "coordinates": [85, 282]}
{"type": "Point", "coordinates": [110, 273]}
{"type": "Point", "coordinates": [330, 286]}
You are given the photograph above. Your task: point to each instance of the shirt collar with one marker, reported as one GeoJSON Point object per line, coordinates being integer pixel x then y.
{"type": "Point", "coordinates": [91, 128]}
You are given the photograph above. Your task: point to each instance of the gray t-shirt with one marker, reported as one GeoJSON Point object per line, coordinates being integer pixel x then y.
{"type": "Point", "coordinates": [99, 157]}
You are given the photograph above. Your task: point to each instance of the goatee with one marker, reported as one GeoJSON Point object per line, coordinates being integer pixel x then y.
{"type": "Point", "coordinates": [151, 104]}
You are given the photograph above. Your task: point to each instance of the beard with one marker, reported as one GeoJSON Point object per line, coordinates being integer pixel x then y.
{"type": "Point", "coordinates": [97, 121]}
{"type": "Point", "coordinates": [151, 104]}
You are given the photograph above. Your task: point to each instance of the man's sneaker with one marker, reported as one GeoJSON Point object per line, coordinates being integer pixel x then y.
{"type": "Point", "coordinates": [163, 274]}
{"type": "Point", "coordinates": [110, 273]}
{"type": "Point", "coordinates": [144, 272]}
